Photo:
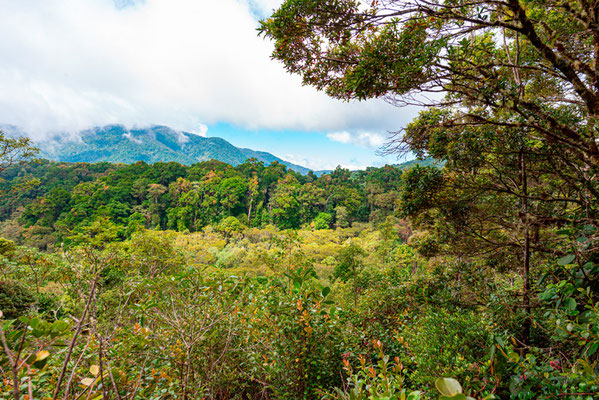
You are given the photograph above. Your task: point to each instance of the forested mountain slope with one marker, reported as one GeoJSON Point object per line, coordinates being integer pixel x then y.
{"type": "Point", "coordinates": [117, 144]}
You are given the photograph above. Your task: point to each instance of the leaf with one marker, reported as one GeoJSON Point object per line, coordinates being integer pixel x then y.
{"type": "Point", "coordinates": [297, 286]}
{"type": "Point", "coordinates": [35, 323]}
{"type": "Point", "coordinates": [515, 357]}
{"type": "Point", "coordinates": [500, 341]}
{"type": "Point", "coordinates": [59, 326]}
{"type": "Point", "coordinates": [458, 396]}
{"type": "Point", "coordinates": [414, 396]}
{"type": "Point", "coordinates": [570, 304]}
{"type": "Point", "coordinates": [38, 333]}
{"type": "Point", "coordinates": [87, 381]}
{"type": "Point", "coordinates": [542, 279]}
{"type": "Point", "coordinates": [94, 370]}
{"type": "Point", "coordinates": [566, 259]}
{"type": "Point", "coordinates": [325, 291]}
{"type": "Point", "coordinates": [42, 355]}
{"type": "Point", "coordinates": [40, 364]}
{"type": "Point", "coordinates": [448, 386]}
{"type": "Point", "coordinates": [592, 349]}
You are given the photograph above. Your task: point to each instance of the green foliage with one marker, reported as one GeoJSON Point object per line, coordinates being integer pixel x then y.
{"type": "Point", "coordinates": [29, 344]}
{"type": "Point", "coordinates": [14, 150]}
{"type": "Point", "coordinates": [510, 200]}
{"type": "Point", "coordinates": [71, 198]}
{"type": "Point", "coordinates": [490, 281]}
{"type": "Point", "coordinates": [7, 247]}
{"type": "Point", "coordinates": [451, 389]}
{"type": "Point", "coordinates": [323, 221]}
{"type": "Point", "coordinates": [229, 226]}
{"type": "Point", "coordinates": [98, 233]}
{"type": "Point", "coordinates": [298, 334]}
{"type": "Point", "coordinates": [383, 379]}
{"type": "Point", "coordinates": [419, 185]}
{"type": "Point", "coordinates": [444, 343]}
{"type": "Point", "coordinates": [192, 328]}
{"type": "Point", "coordinates": [349, 262]}
{"type": "Point", "coordinates": [15, 299]}
{"type": "Point", "coordinates": [341, 217]}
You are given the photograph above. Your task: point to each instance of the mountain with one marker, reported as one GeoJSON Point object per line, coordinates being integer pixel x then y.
{"type": "Point", "coordinates": [117, 144]}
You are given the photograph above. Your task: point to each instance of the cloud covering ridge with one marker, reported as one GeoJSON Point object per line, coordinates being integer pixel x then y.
{"type": "Point", "coordinates": [69, 65]}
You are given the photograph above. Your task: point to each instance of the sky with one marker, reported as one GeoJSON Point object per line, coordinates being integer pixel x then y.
{"type": "Point", "coordinates": [194, 65]}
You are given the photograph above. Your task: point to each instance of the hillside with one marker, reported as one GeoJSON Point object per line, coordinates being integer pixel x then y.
{"type": "Point", "coordinates": [117, 144]}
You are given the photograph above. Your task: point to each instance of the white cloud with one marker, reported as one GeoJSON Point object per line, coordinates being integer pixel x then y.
{"type": "Point", "coordinates": [201, 130]}
{"type": "Point", "coordinates": [132, 138]}
{"type": "Point", "coordinates": [341, 137]}
{"type": "Point", "coordinates": [68, 65]}
{"type": "Point", "coordinates": [360, 138]}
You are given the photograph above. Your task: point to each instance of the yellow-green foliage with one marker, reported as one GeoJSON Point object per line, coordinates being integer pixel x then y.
{"type": "Point", "coordinates": [347, 313]}
{"type": "Point", "coordinates": [257, 251]}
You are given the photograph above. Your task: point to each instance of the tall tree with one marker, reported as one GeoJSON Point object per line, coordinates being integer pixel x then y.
{"type": "Point", "coordinates": [537, 60]}
{"type": "Point", "coordinates": [512, 90]}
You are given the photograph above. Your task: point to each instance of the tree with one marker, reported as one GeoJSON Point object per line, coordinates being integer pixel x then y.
{"type": "Point", "coordinates": [252, 192]}
{"type": "Point", "coordinates": [156, 190]}
{"type": "Point", "coordinates": [322, 221]}
{"type": "Point", "coordinates": [283, 205]}
{"type": "Point", "coordinates": [498, 199]}
{"type": "Point", "coordinates": [15, 150]}
{"type": "Point", "coordinates": [525, 64]}
{"type": "Point", "coordinates": [349, 266]}
{"type": "Point", "coordinates": [341, 217]}
{"type": "Point", "coordinates": [231, 191]}
{"type": "Point", "coordinates": [229, 226]}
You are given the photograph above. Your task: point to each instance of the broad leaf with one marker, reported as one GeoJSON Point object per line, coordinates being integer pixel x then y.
{"type": "Point", "coordinates": [448, 386]}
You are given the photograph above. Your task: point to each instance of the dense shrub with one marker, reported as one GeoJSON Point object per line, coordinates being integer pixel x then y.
{"type": "Point", "coordinates": [15, 298]}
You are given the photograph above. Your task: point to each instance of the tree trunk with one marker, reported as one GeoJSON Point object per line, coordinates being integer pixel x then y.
{"type": "Point", "coordinates": [250, 212]}
{"type": "Point", "coordinates": [525, 251]}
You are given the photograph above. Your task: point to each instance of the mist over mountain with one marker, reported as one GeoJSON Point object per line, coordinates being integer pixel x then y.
{"type": "Point", "coordinates": [117, 144]}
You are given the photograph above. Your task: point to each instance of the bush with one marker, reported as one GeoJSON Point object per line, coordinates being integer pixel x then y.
{"type": "Point", "coordinates": [15, 299]}
{"type": "Point", "coordinates": [439, 342]}
{"type": "Point", "coordinates": [295, 337]}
